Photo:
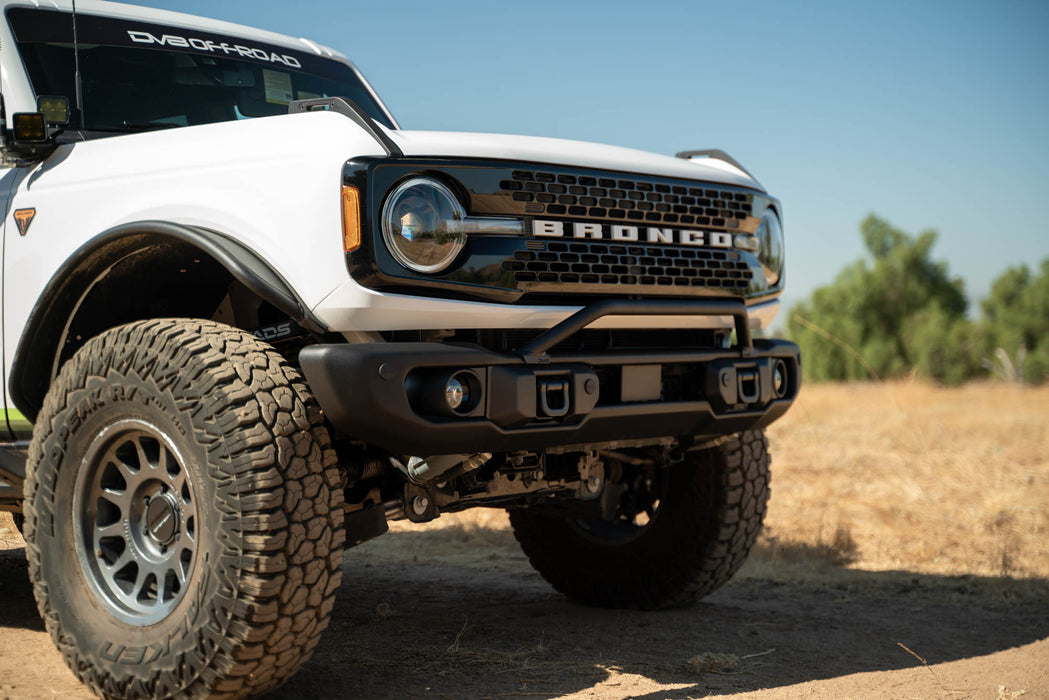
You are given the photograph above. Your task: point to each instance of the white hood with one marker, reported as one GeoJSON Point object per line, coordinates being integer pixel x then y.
{"type": "Point", "coordinates": [532, 149]}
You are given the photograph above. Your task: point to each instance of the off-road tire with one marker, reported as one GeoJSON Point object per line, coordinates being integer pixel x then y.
{"type": "Point", "coordinates": [19, 523]}
{"type": "Point", "coordinates": [711, 507]}
{"type": "Point", "coordinates": [262, 496]}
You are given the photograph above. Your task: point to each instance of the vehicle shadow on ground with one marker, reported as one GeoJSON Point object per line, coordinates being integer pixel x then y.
{"type": "Point", "coordinates": [412, 624]}
{"type": "Point", "coordinates": [420, 615]}
{"type": "Point", "coordinates": [17, 604]}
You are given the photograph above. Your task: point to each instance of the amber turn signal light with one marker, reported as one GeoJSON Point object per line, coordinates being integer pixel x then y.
{"type": "Point", "coordinates": [351, 218]}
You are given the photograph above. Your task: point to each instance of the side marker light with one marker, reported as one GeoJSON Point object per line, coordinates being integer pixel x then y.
{"type": "Point", "coordinates": [351, 218]}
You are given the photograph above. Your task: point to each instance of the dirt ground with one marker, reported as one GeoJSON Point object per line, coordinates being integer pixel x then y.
{"type": "Point", "coordinates": [906, 556]}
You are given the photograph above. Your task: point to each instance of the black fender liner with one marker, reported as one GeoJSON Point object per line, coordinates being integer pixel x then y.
{"type": "Point", "coordinates": [39, 347]}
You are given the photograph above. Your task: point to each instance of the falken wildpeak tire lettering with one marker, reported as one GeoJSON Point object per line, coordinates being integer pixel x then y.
{"type": "Point", "coordinates": [269, 537]}
{"type": "Point", "coordinates": [709, 517]}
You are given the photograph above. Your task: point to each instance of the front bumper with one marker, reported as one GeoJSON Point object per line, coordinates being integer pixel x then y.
{"type": "Point", "coordinates": [392, 394]}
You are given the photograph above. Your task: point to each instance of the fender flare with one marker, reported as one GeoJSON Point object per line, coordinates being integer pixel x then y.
{"type": "Point", "coordinates": [76, 277]}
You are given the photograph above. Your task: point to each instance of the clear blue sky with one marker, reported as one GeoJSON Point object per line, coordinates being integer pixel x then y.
{"type": "Point", "coordinates": [930, 114]}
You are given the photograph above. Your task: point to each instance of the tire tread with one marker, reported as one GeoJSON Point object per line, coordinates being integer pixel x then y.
{"type": "Point", "coordinates": [264, 436]}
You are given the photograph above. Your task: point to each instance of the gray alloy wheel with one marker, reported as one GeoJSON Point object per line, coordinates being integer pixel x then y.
{"type": "Point", "coordinates": [135, 531]}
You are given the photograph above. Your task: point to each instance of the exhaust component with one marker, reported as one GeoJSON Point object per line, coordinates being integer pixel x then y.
{"type": "Point", "coordinates": [423, 470]}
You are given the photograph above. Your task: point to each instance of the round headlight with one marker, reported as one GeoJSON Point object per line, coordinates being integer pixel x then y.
{"type": "Point", "coordinates": [770, 246]}
{"type": "Point", "coordinates": [422, 225]}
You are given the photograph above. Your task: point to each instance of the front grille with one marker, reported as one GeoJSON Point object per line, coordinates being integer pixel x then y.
{"type": "Point", "coordinates": [637, 200]}
{"type": "Point", "coordinates": [650, 267]}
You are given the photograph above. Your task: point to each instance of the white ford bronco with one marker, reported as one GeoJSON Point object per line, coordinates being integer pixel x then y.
{"type": "Point", "coordinates": [248, 320]}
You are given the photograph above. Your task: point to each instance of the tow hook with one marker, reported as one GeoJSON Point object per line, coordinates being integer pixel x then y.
{"type": "Point", "coordinates": [554, 399]}
{"type": "Point", "coordinates": [749, 385]}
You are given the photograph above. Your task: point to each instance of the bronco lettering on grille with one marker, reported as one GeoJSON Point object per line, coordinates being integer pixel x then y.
{"type": "Point", "coordinates": [616, 232]}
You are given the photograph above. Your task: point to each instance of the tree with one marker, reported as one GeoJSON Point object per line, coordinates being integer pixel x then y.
{"type": "Point", "coordinates": [1016, 319]}
{"type": "Point", "coordinates": [896, 313]}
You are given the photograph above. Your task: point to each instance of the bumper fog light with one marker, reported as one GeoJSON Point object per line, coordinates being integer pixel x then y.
{"type": "Point", "coordinates": [456, 394]}
{"type": "Point", "coordinates": [779, 378]}
{"type": "Point", "coordinates": [446, 393]}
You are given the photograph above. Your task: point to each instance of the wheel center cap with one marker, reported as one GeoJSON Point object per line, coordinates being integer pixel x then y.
{"type": "Point", "coordinates": [162, 521]}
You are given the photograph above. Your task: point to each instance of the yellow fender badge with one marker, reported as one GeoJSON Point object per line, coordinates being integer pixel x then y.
{"type": "Point", "coordinates": [24, 217]}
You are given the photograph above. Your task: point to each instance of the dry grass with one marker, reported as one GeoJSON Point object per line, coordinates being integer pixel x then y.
{"type": "Point", "coordinates": [909, 476]}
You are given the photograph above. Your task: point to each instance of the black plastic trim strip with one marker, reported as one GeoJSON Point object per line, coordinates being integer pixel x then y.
{"type": "Point", "coordinates": [349, 108]}
{"type": "Point", "coordinates": [659, 357]}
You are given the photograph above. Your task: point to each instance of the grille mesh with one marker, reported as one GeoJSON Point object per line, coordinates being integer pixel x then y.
{"type": "Point", "coordinates": [629, 265]}
{"type": "Point", "coordinates": [563, 194]}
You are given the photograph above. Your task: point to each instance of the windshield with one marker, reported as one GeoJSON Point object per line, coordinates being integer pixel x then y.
{"type": "Point", "coordinates": [140, 76]}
